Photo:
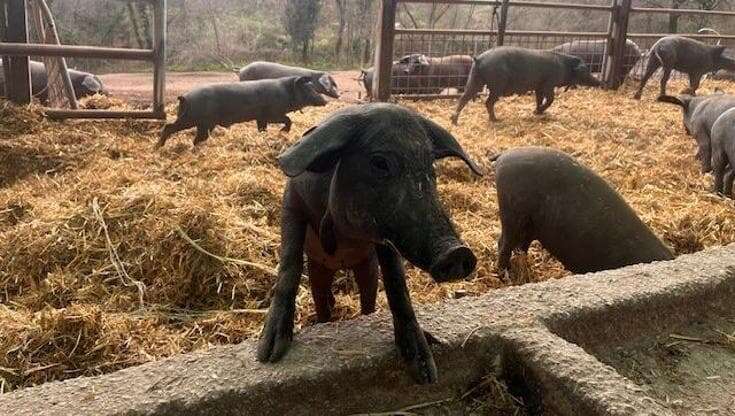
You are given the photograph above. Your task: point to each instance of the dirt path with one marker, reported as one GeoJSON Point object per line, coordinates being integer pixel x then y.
{"type": "Point", "coordinates": [137, 88]}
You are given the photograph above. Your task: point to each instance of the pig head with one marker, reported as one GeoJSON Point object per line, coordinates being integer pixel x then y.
{"type": "Point", "coordinates": [383, 186]}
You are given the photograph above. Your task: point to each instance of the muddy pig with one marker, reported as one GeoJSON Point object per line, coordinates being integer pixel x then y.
{"type": "Point", "coordinates": [267, 101]}
{"type": "Point", "coordinates": [508, 70]}
{"type": "Point", "coordinates": [323, 82]}
{"type": "Point", "coordinates": [699, 114]}
{"type": "Point", "coordinates": [545, 195]}
{"type": "Point", "coordinates": [686, 55]}
{"type": "Point", "coordinates": [723, 152]}
{"type": "Point", "coordinates": [362, 196]}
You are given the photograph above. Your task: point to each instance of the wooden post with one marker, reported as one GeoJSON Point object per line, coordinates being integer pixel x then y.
{"type": "Point", "coordinates": [619, 36]}
{"type": "Point", "coordinates": [159, 58]}
{"type": "Point", "coordinates": [3, 35]}
{"type": "Point", "coordinates": [46, 20]}
{"type": "Point", "coordinates": [384, 50]}
{"type": "Point", "coordinates": [503, 22]}
{"type": "Point", "coordinates": [19, 80]}
{"type": "Point", "coordinates": [606, 69]}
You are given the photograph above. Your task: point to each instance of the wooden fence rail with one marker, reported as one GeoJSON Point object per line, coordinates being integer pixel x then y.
{"type": "Point", "coordinates": [17, 47]}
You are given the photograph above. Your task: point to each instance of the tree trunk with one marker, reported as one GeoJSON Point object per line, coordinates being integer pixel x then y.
{"type": "Point", "coordinates": [341, 30]}
{"type": "Point", "coordinates": [135, 26]}
{"type": "Point", "coordinates": [305, 51]}
{"type": "Point", "coordinates": [674, 18]}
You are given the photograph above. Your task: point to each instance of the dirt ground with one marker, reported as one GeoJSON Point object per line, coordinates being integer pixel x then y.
{"type": "Point", "coordinates": [137, 88]}
{"type": "Point", "coordinates": [690, 369]}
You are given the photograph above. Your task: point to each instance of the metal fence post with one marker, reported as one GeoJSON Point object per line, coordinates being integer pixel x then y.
{"type": "Point", "coordinates": [19, 81]}
{"type": "Point", "coordinates": [616, 44]}
{"type": "Point", "coordinates": [384, 50]}
{"type": "Point", "coordinates": [503, 22]}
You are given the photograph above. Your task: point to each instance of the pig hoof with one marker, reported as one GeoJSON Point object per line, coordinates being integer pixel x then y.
{"type": "Point", "coordinates": [431, 339]}
{"type": "Point", "coordinates": [637, 96]}
{"type": "Point", "coordinates": [455, 119]}
{"type": "Point", "coordinates": [414, 349]}
{"type": "Point", "coordinates": [277, 334]}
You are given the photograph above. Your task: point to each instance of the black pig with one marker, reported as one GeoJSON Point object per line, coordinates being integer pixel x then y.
{"type": "Point", "coordinates": [323, 82]}
{"type": "Point", "coordinates": [699, 114]}
{"type": "Point", "coordinates": [267, 101]}
{"type": "Point", "coordinates": [362, 195]}
{"type": "Point", "coordinates": [546, 195]}
{"type": "Point", "coordinates": [686, 55]}
{"type": "Point", "coordinates": [723, 152]}
{"type": "Point", "coordinates": [508, 70]}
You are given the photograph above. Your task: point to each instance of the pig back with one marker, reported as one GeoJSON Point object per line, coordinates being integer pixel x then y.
{"type": "Point", "coordinates": [575, 214]}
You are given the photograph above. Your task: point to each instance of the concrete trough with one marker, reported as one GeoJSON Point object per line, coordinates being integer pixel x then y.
{"type": "Point", "coordinates": [599, 344]}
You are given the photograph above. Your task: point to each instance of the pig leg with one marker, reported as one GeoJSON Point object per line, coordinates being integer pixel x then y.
{"type": "Point", "coordinates": [320, 280]}
{"type": "Point", "coordinates": [653, 65]}
{"type": "Point", "coordinates": [203, 132]}
{"type": "Point", "coordinates": [262, 125]}
{"type": "Point", "coordinates": [366, 275]}
{"type": "Point", "coordinates": [409, 337]}
{"type": "Point", "coordinates": [171, 129]}
{"type": "Point", "coordinates": [694, 80]}
{"type": "Point", "coordinates": [664, 80]}
{"type": "Point", "coordinates": [729, 177]}
{"type": "Point", "coordinates": [275, 339]}
{"type": "Point", "coordinates": [473, 87]}
{"type": "Point", "coordinates": [719, 166]}
{"type": "Point", "coordinates": [513, 234]}
{"type": "Point", "coordinates": [704, 149]}
{"type": "Point", "coordinates": [490, 106]}
{"type": "Point", "coordinates": [287, 124]}
{"type": "Point", "coordinates": [544, 100]}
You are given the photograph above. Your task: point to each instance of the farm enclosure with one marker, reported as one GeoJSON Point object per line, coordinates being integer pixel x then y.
{"type": "Point", "coordinates": [608, 44]}
{"type": "Point", "coordinates": [88, 211]}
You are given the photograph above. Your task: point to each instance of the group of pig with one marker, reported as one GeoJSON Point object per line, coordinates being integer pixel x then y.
{"type": "Point", "coordinates": [362, 192]}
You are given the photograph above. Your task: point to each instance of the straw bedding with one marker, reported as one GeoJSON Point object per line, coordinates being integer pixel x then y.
{"type": "Point", "coordinates": [112, 254]}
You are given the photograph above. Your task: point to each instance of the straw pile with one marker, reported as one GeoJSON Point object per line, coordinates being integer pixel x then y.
{"type": "Point", "coordinates": [104, 242]}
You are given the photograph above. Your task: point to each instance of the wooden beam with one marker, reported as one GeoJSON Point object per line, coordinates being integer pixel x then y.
{"type": "Point", "coordinates": [3, 33]}
{"type": "Point", "coordinates": [46, 21]}
{"type": "Point", "coordinates": [384, 50]}
{"type": "Point", "coordinates": [159, 60]}
{"type": "Point", "coordinates": [103, 114]}
{"type": "Point", "coordinates": [36, 49]}
{"type": "Point", "coordinates": [503, 23]}
{"type": "Point", "coordinates": [19, 81]}
{"type": "Point", "coordinates": [620, 35]}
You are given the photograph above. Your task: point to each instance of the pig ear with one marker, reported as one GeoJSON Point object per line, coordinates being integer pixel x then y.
{"type": "Point", "coordinates": [91, 84]}
{"type": "Point", "coordinates": [446, 145]}
{"type": "Point", "coordinates": [320, 147]}
{"type": "Point", "coordinates": [333, 81]}
{"type": "Point", "coordinates": [718, 50]}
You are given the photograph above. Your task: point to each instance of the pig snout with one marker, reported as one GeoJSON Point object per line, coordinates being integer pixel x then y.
{"type": "Point", "coordinates": [455, 263]}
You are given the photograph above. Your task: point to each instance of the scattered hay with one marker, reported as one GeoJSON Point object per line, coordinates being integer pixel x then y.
{"type": "Point", "coordinates": [113, 254]}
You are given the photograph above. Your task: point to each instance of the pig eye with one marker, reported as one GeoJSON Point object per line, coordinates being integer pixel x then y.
{"type": "Point", "coordinates": [380, 165]}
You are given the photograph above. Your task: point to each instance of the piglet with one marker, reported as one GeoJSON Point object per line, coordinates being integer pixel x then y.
{"type": "Point", "coordinates": [267, 101]}
{"type": "Point", "coordinates": [546, 195]}
{"type": "Point", "coordinates": [362, 196]}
